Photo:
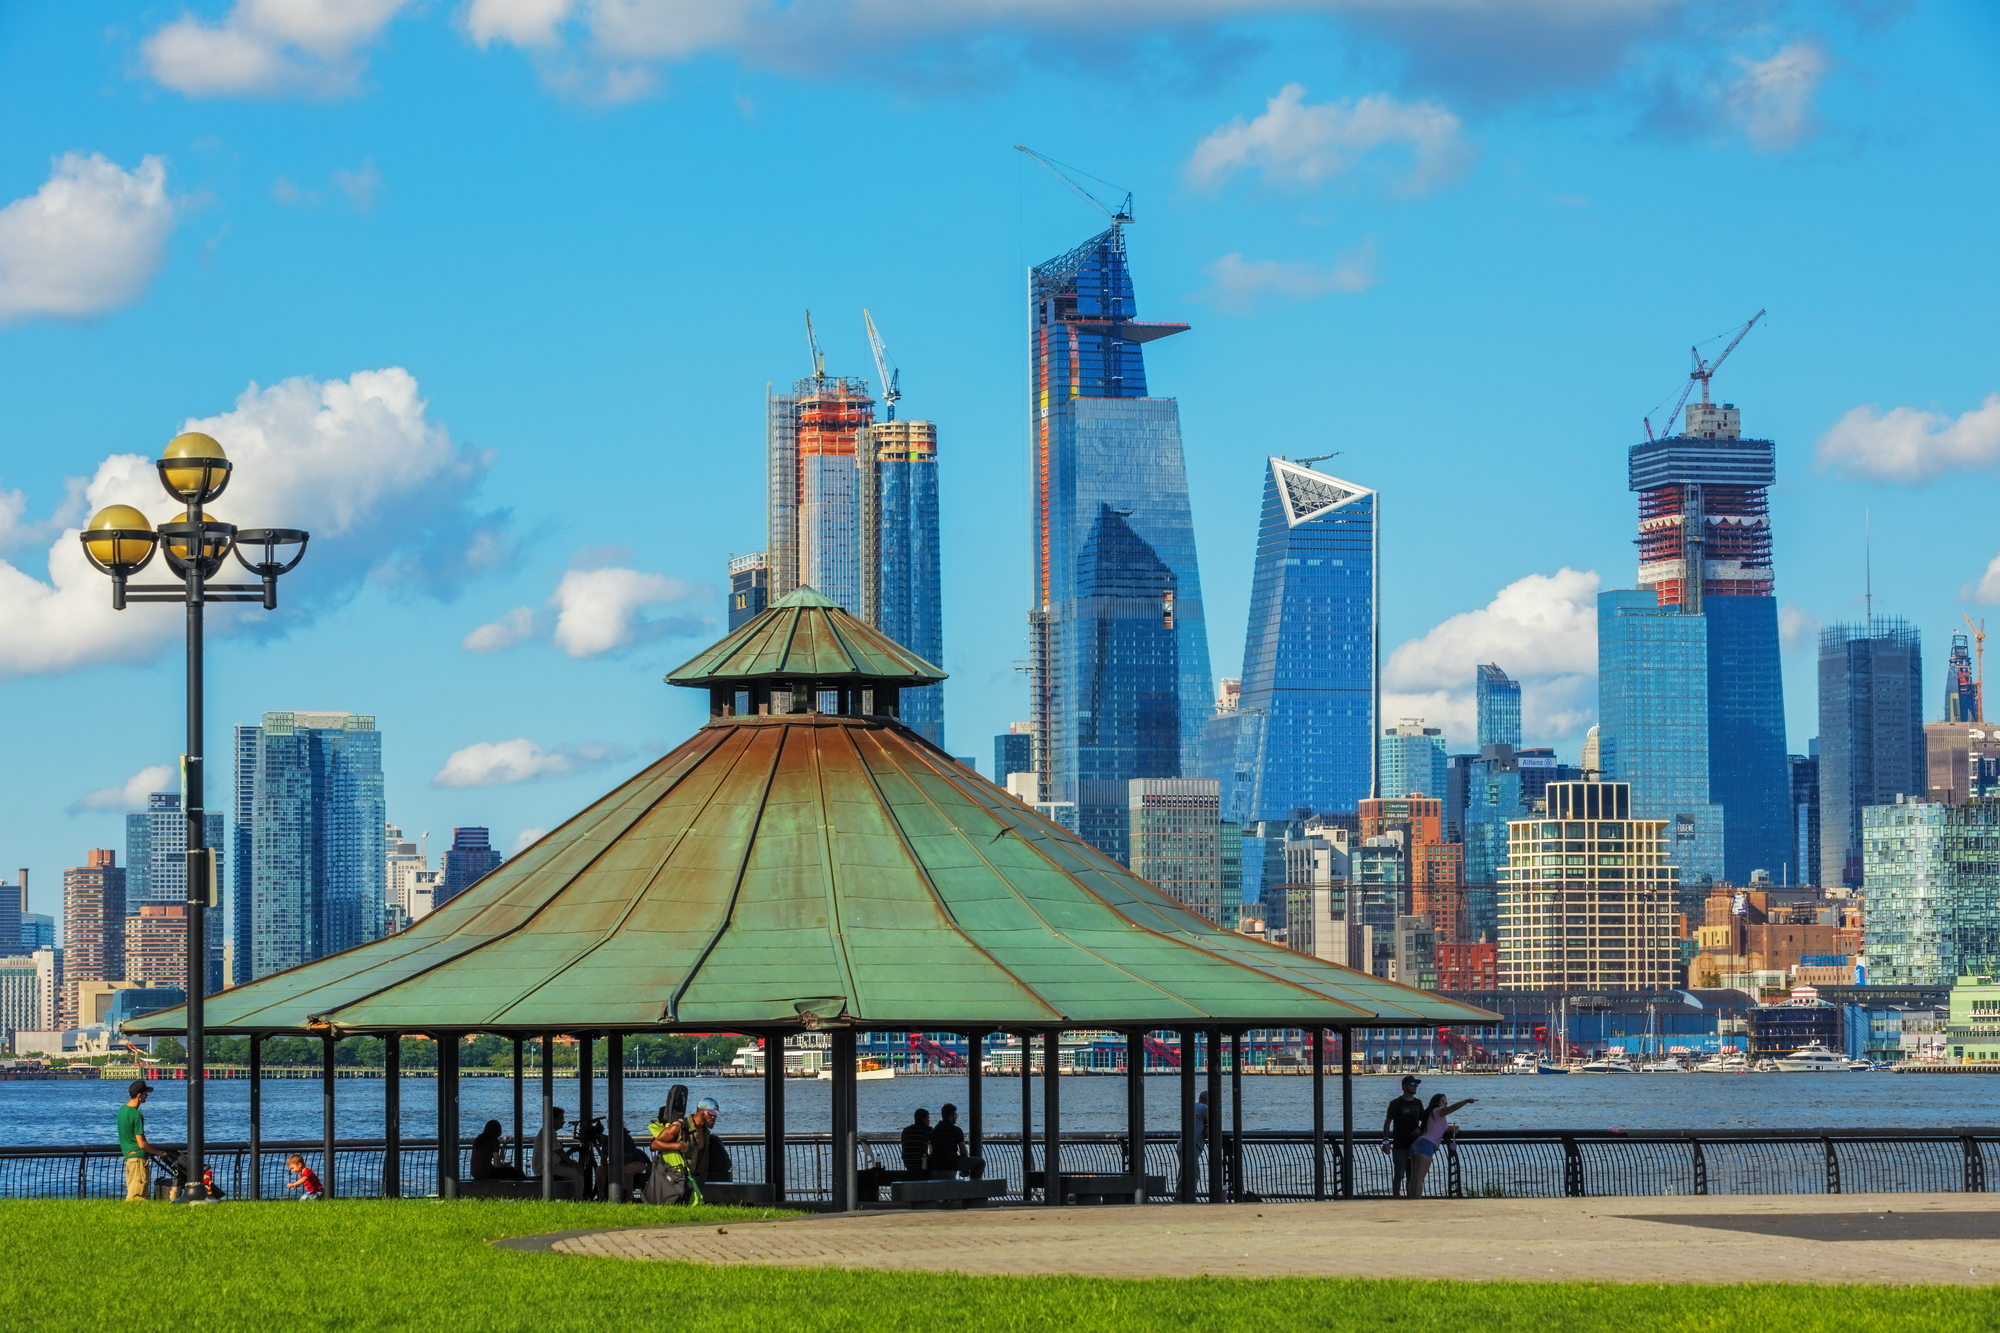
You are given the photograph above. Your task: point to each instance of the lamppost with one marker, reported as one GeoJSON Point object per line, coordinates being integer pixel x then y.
{"type": "Point", "coordinates": [119, 542]}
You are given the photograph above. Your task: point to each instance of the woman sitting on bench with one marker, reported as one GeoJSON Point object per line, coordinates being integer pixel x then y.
{"type": "Point", "coordinates": [486, 1163]}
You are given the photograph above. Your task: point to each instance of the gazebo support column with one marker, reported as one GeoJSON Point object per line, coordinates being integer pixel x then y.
{"type": "Point", "coordinates": [1236, 1115]}
{"type": "Point", "coordinates": [1319, 1111]}
{"type": "Point", "coordinates": [520, 1161]}
{"type": "Point", "coordinates": [844, 1117]}
{"type": "Point", "coordinates": [614, 1108]}
{"type": "Point", "coordinates": [1190, 1145]}
{"type": "Point", "coordinates": [1217, 1179]}
{"type": "Point", "coordinates": [975, 1093]}
{"type": "Point", "coordinates": [1135, 1104]}
{"type": "Point", "coordinates": [586, 1098]}
{"type": "Point", "coordinates": [1052, 1190]}
{"type": "Point", "coordinates": [447, 1098]}
{"type": "Point", "coordinates": [392, 1116]}
{"type": "Point", "coordinates": [326, 1111]}
{"type": "Point", "coordinates": [1347, 1113]}
{"type": "Point", "coordinates": [256, 1115]}
{"type": "Point", "coordinates": [546, 1142]}
{"type": "Point", "coordinates": [774, 1114]}
{"type": "Point", "coordinates": [1027, 1111]}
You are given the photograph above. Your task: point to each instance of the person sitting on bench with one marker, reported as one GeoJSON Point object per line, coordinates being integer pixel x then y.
{"type": "Point", "coordinates": [486, 1156]}
{"type": "Point", "coordinates": [562, 1165]}
{"type": "Point", "coordinates": [948, 1147]}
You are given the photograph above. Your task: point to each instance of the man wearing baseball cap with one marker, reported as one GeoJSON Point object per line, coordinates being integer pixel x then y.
{"type": "Point", "coordinates": [132, 1138]}
{"type": "Point", "coordinates": [1401, 1128]}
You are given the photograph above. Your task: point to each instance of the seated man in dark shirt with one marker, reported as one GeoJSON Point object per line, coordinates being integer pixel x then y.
{"type": "Point", "coordinates": [948, 1147]}
{"type": "Point", "coordinates": [917, 1140]}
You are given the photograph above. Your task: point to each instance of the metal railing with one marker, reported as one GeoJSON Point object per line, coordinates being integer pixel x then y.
{"type": "Point", "coordinates": [1269, 1165]}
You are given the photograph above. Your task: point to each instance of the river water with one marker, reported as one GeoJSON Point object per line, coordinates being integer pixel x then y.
{"type": "Point", "coordinates": [86, 1112]}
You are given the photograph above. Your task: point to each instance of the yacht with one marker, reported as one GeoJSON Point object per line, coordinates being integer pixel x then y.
{"type": "Point", "coordinates": [1666, 1064]}
{"type": "Point", "coordinates": [1730, 1061]}
{"type": "Point", "coordinates": [1615, 1063]}
{"type": "Point", "coordinates": [1813, 1059]}
{"type": "Point", "coordinates": [866, 1069]}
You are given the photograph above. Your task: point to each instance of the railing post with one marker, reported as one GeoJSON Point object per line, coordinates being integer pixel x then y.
{"type": "Point", "coordinates": [1832, 1167]}
{"type": "Point", "coordinates": [1572, 1169]}
{"type": "Point", "coordinates": [1700, 1166]}
{"type": "Point", "coordinates": [1455, 1181]}
{"type": "Point", "coordinates": [83, 1175]}
{"type": "Point", "coordinates": [1975, 1165]}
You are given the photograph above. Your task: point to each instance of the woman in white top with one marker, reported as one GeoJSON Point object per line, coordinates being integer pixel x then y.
{"type": "Point", "coordinates": [1437, 1123]}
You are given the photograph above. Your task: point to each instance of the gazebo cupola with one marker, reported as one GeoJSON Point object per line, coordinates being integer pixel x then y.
{"type": "Point", "coordinates": [803, 654]}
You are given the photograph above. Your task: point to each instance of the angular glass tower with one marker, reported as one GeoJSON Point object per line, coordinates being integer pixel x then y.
{"type": "Point", "coordinates": [1871, 733]}
{"type": "Point", "coordinates": [1119, 653]}
{"type": "Point", "coordinates": [1499, 701]}
{"type": "Point", "coordinates": [902, 594]}
{"type": "Point", "coordinates": [315, 812]}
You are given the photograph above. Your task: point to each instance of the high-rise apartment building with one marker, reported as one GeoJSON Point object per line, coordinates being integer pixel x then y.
{"type": "Point", "coordinates": [1119, 679]}
{"type": "Point", "coordinates": [1961, 762]}
{"type": "Point", "coordinates": [29, 985]}
{"type": "Point", "coordinates": [749, 588]}
{"type": "Point", "coordinates": [1588, 898]}
{"type": "Point", "coordinates": [902, 593]}
{"type": "Point", "coordinates": [93, 927]}
{"type": "Point", "coordinates": [1499, 703]}
{"type": "Point", "coordinates": [1805, 817]}
{"type": "Point", "coordinates": [1176, 841]}
{"type": "Point", "coordinates": [1412, 759]}
{"type": "Point", "coordinates": [1435, 868]}
{"type": "Point", "coordinates": [402, 859]}
{"type": "Point", "coordinates": [156, 849]}
{"type": "Point", "coordinates": [1301, 732]}
{"type": "Point", "coordinates": [1013, 752]}
{"type": "Point", "coordinates": [1933, 877]}
{"type": "Point", "coordinates": [309, 791]}
{"type": "Point", "coordinates": [1690, 701]}
{"type": "Point", "coordinates": [1871, 734]}
{"type": "Point", "coordinates": [470, 857]}
{"type": "Point", "coordinates": [156, 945]}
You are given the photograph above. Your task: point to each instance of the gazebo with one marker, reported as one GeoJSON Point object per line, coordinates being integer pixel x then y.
{"type": "Point", "coordinates": [805, 863]}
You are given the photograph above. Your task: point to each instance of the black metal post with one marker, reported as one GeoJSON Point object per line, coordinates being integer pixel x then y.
{"type": "Point", "coordinates": [447, 1102]}
{"type": "Point", "coordinates": [196, 880]}
{"type": "Point", "coordinates": [975, 1093]}
{"type": "Point", "coordinates": [1135, 1104]}
{"type": "Point", "coordinates": [1235, 1115]}
{"type": "Point", "coordinates": [1027, 1110]}
{"type": "Point", "coordinates": [1190, 1145]}
{"type": "Point", "coordinates": [842, 1054]}
{"type": "Point", "coordinates": [774, 1114]}
{"type": "Point", "coordinates": [520, 1161]}
{"type": "Point", "coordinates": [1217, 1182]}
{"type": "Point", "coordinates": [256, 1115]}
{"type": "Point", "coordinates": [546, 1149]}
{"type": "Point", "coordinates": [1319, 1111]}
{"type": "Point", "coordinates": [614, 1106]}
{"type": "Point", "coordinates": [1052, 1190]}
{"type": "Point", "coordinates": [392, 1117]}
{"type": "Point", "coordinates": [326, 1111]}
{"type": "Point", "coordinates": [1347, 1112]}
{"type": "Point", "coordinates": [586, 1099]}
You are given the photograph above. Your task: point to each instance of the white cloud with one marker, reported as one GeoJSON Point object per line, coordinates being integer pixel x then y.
{"type": "Point", "coordinates": [1541, 630]}
{"type": "Point", "coordinates": [1771, 101]}
{"type": "Point", "coordinates": [1987, 590]}
{"type": "Point", "coordinates": [132, 793]}
{"type": "Point", "coordinates": [383, 490]}
{"type": "Point", "coordinates": [1910, 445]}
{"type": "Point", "coordinates": [90, 240]}
{"type": "Point", "coordinates": [1297, 144]}
{"type": "Point", "coordinates": [525, 839]}
{"type": "Point", "coordinates": [1798, 629]}
{"type": "Point", "coordinates": [1236, 284]}
{"type": "Point", "coordinates": [599, 610]}
{"type": "Point", "coordinates": [270, 48]}
{"type": "Point", "coordinates": [501, 763]}
{"type": "Point", "coordinates": [530, 23]}
{"type": "Point", "coordinates": [517, 626]}
{"type": "Point", "coordinates": [360, 185]}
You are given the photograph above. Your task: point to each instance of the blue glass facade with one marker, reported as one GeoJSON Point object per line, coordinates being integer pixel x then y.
{"type": "Point", "coordinates": [911, 595]}
{"type": "Point", "coordinates": [1413, 761]}
{"type": "Point", "coordinates": [317, 880]}
{"type": "Point", "coordinates": [1749, 775]}
{"type": "Point", "coordinates": [1499, 703]}
{"type": "Point", "coordinates": [156, 863]}
{"type": "Point", "coordinates": [1119, 636]}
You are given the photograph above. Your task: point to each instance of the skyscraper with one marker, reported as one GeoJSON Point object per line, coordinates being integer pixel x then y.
{"type": "Point", "coordinates": [902, 593]}
{"type": "Point", "coordinates": [1690, 701]}
{"type": "Point", "coordinates": [156, 945]}
{"type": "Point", "coordinates": [1871, 733]}
{"type": "Point", "coordinates": [1933, 891]}
{"type": "Point", "coordinates": [1120, 683]}
{"type": "Point", "coordinates": [1412, 759]}
{"type": "Point", "coordinates": [1499, 702]}
{"type": "Point", "coordinates": [1435, 868]}
{"type": "Point", "coordinates": [1805, 817]}
{"type": "Point", "coordinates": [815, 433]}
{"type": "Point", "coordinates": [93, 927]}
{"type": "Point", "coordinates": [470, 856]}
{"type": "Point", "coordinates": [156, 850]}
{"type": "Point", "coordinates": [309, 789]}
{"type": "Point", "coordinates": [1013, 752]}
{"type": "Point", "coordinates": [1176, 839]}
{"type": "Point", "coordinates": [749, 588]}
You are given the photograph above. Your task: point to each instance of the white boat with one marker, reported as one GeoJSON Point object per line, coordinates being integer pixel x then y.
{"type": "Point", "coordinates": [1666, 1064]}
{"type": "Point", "coordinates": [1730, 1061]}
{"type": "Point", "coordinates": [1610, 1064]}
{"type": "Point", "coordinates": [866, 1070]}
{"type": "Point", "coordinates": [1813, 1059]}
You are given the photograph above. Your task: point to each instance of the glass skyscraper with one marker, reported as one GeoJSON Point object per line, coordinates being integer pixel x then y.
{"type": "Point", "coordinates": [1871, 734]}
{"type": "Point", "coordinates": [1691, 709]}
{"type": "Point", "coordinates": [1120, 683]}
{"type": "Point", "coordinates": [309, 790]}
{"type": "Point", "coordinates": [156, 865]}
{"type": "Point", "coordinates": [902, 594]}
{"type": "Point", "coordinates": [1412, 760]}
{"type": "Point", "coordinates": [1499, 701]}
{"type": "Point", "coordinates": [1933, 891]}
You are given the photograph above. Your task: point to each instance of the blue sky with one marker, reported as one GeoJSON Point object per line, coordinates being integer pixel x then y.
{"type": "Point", "coordinates": [487, 296]}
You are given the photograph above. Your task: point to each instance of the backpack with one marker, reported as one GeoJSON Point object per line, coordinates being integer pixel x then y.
{"type": "Point", "coordinates": [665, 1184]}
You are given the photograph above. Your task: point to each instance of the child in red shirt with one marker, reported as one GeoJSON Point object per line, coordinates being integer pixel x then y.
{"type": "Point", "coordinates": [305, 1180]}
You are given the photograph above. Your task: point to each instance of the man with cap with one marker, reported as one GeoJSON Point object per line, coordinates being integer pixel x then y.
{"type": "Point", "coordinates": [132, 1138]}
{"type": "Point", "coordinates": [1401, 1128]}
{"type": "Point", "coordinates": [689, 1137]}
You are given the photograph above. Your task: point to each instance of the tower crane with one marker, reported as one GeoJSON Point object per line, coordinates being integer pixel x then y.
{"type": "Point", "coordinates": [1979, 681]}
{"type": "Point", "coordinates": [1703, 371]}
{"type": "Point", "coordinates": [891, 377]}
{"type": "Point", "coordinates": [812, 342]}
{"type": "Point", "coordinates": [1119, 216]}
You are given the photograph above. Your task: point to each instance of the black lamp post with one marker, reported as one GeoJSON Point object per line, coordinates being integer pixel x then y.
{"type": "Point", "coordinates": [120, 542]}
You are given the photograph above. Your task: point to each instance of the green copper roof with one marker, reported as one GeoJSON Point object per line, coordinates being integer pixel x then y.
{"type": "Point", "coordinates": [805, 636]}
{"type": "Point", "coordinates": [777, 866]}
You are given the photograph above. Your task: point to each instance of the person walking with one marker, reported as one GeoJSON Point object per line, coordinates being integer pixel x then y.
{"type": "Point", "coordinates": [132, 1138]}
{"type": "Point", "coordinates": [917, 1140]}
{"type": "Point", "coordinates": [1429, 1143]}
{"type": "Point", "coordinates": [1402, 1126]}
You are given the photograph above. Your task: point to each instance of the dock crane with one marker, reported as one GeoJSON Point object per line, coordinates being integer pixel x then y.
{"type": "Point", "coordinates": [1703, 371]}
{"type": "Point", "coordinates": [892, 378]}
{"type": "Point", "coordinates": [1119, 216]}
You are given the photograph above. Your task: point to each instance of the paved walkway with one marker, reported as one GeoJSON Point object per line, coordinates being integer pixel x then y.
{"type": "Point", "coordinates": [1893, 1238]}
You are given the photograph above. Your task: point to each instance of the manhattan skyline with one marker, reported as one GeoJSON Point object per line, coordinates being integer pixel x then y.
{"type": "Point", "coordinates": [531, 343]}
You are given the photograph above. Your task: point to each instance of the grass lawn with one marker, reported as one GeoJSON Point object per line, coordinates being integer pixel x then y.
{"type": "Point", "coordinates": [425, 1264]}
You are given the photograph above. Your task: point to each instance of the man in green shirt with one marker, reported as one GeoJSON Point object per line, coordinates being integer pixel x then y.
{"type": "Point", "coordinates": [132, 1138]}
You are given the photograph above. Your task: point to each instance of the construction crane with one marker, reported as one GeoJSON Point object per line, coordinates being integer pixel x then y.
{"type": "Point", "coordinates": [812, 343]}
{"type": "Point", "coordinates": [1703, 371]}
{"type": "Point", "coordinates": [1978, 681]}
{"type": "Point", "coordinates": [891, 377]}
{"type": "Point", "coordinates": [1119, 216]}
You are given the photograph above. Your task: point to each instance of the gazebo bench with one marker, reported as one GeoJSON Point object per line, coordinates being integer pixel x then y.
{"type": "Point", "coordinates": [746, 1192]}
{"type": "Point", "coordinates": [1080, 1188]}
{"type": "Point", "coordinates": [946, 1192]}
{"type": "Point", "coordinates": [869, 1183]}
